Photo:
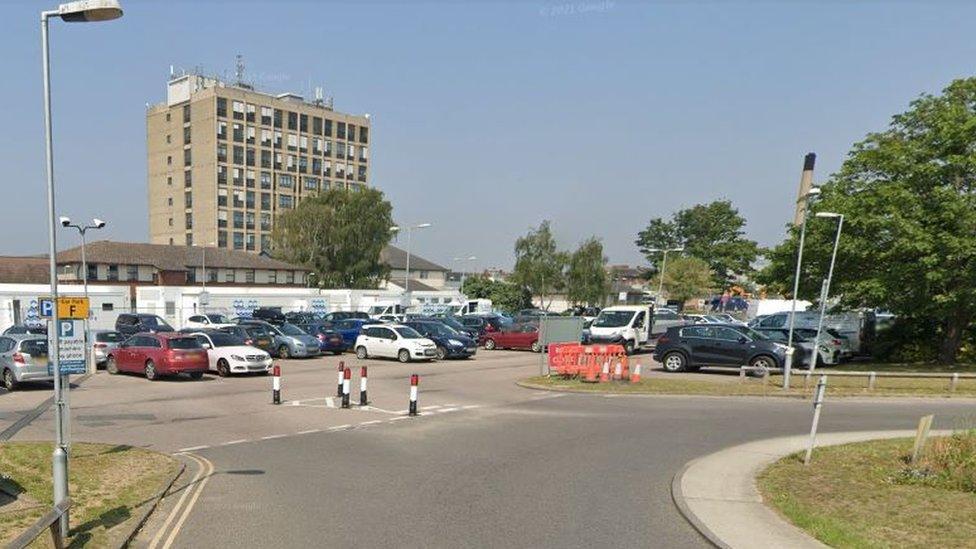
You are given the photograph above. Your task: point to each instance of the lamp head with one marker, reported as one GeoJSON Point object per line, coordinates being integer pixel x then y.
{"type": "Point", "coordinates": [422, 226]}
{"type": "Point", "coordinates": [87, 11]}
{"type": "Point", "coordinates": [394, 229]}
{"type": "Point", "coordinates": [814, 191]}
{"type": "Point", "coordinates": [98, 223]}
{"type": "Point", "coordinates": [828, 214]}
{"type": "Point", "coordinates": [65, 221]}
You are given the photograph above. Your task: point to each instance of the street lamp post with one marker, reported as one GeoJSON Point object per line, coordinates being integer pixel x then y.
{"type": "Point", "coordinates": [409, 229]}
{"type": "Point", "coordinates": [788, 365]}
{"type": "Point", "coordinates": [80, 11]}
{"type": "Point", "coordinates": [469, 258]}
{"type": "Point", "coordinates": [826, 286]}
{"type": "Point", "coordinates": [664, 265]}
{"type": "Point", "coordinates": [82, 229]}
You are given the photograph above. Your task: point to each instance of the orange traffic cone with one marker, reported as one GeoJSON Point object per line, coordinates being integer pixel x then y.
{"type": "Point", "coordinates": [635, 375]}
{"type": "Point", "coordinates": [605, 374]}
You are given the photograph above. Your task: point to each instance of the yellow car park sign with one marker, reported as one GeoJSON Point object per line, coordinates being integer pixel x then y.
{"type": "Point", "coordinates": [68, 307]}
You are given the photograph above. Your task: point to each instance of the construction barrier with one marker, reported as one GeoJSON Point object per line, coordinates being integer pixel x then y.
{"type": "Point", "coordinates": [591, 363]}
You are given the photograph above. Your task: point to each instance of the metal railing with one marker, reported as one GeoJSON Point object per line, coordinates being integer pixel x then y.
{"type": "Point", "coordinates": [51, 520]}
{"type": "Point", "coordinates": [952, 379]}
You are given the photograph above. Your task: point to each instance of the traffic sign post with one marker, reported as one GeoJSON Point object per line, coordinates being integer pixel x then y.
{"type": "Point", "coordinates": [71, 347]}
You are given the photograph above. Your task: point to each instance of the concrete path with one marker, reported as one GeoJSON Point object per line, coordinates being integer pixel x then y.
{"type": "Point", "coordinates": [717, 493]}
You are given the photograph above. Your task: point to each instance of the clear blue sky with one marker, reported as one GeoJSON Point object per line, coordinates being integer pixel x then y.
{"type": "Point", "coordinates": [491, 116]}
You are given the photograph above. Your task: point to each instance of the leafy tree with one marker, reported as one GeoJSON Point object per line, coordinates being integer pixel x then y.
{"type": "Point", "coordinates": [504, 295]}
{"type": "Point", "coordinates": [539, 265]}
{"type": "Point", "coordinates": [712, 232]}
{"type": "Point", "coordinates": [686, 277]}
{"type": "Point", "coordinates": [909, 196]}
{"type": "Point", "coordinates": [587, 282]}
{"type": "Point", "coordinates": [338, 234]}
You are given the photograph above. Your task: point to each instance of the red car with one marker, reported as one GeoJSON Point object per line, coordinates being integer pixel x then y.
{"type": "Point", "coordinates": [516, 336]}
{"type": "Point", "coordinates": [161, 354]}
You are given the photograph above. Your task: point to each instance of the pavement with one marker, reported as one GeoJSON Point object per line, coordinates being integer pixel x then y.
{"type": "Point", "coordinates": [485, 464]}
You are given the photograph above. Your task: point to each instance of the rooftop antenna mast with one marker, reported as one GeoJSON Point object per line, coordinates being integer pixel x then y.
{"type": "Point", "coordinates": [239, 72]}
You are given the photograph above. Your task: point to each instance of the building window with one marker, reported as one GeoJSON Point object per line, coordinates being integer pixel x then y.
{"type": "Point", "coordinates": [266, 114]}
{"type": "Point", "coordinates": [238, 240]}
{"type": "Point", "coordinates": [169, 181]}
{"type": "Point", "coordinates": [238, 110]}
{"type": "Point", "coordinates": [265, 180]}
{"type": "Point", "coordinates": [187, 157]}
{"type": "Point", "coordinates": [113, 272]}
{"type": "Point", "coordinates": [187, 178]}
{"type": "Point", "coordinates": [290, 277]}
{"type": "Point", "coordinates": [316, 165]}
{"type": "Point", "coordinates": [186, 114]}
{"type": "Point", "coordinates": [364, 135]}
{"type": "Point", "coordinates": [251, 132]}
{"type": "Point", "coordinates": [108, 306]}
{"type": "Point", "coordinates": [265, 158]}
{"type": "Point", "coordinates": [92, 272]}
{"type": "Point", "coordinates": [327, 168]}
{"type": "Point", "coordinates": [293, 121]}
{"type": "Point", "coordinates": [341, 130]}
{"type": "Point", "coordinates": [249, 275]}
{"type": "Point", "coordinates": [189, 220]}
{"type": "Point", "coordinates": [340, 149]}
{"type": "Point", "coordinates": [249, 246]}
{"type": "Point", "coordinates": [265, 201]}
{"type": "Point", "coordinates": [250, 112]}
{"type": "Point", "coordinates": [170, 309]}
{"type": "Point", "coordinates": [265, 138]}
{"type": "Point", "coordinates": [186, 135]}
{"type": "Point", "coordinates": [362, 173]}
{"type": "Point", "coordinates": [221, 175]}
{"type": "Point", "coordinates": [286, 181]}
{"type": "Point", "coordinates": [221, 152]}
{"type": "Point", "coordinates": [265, 217]}
{"type": "Point", "coordinates": [132, 272]}
{"type": "Point", "coordinates": [277, 139]}
{"type": "Point", "coordinates": [188, 199]}
{"type": "Point", "coordinates": [249, 221]}
{"type": "Point", "coordinates": [238, 133]}
{"type": "Point", "coordinates": [169, 160]}
{"type": "Point", "coordinates": [266, 243]}
{"type": "Point", "coordinates": [238, 177]}
{"type": "Point", "coordinates": [249, 178]}
{"type": "Point", "coordinates": [424, 275]}
{"type": "Point", "coordinates": [311, 183]}
{"type": "Point", "coordinates": [221, 242]}
{"type": "Point", "coordinates": [171, 222]}
{"type": "Point", "coordinates": [272, 277]}
{"type": "Point", "coordinates": [222, 218]}
{"type": "Point", "coordinates": [229, 273]}
{"type": "Point", "coordinates": [316, 125]}
{"type": "Point", "coordinates": [250, 157]}
{"type": "Point", "coordinates": [352, 133]}
{"type": "Point", "coordinates": [302, 164]}
{"type": "Point", "coordinates": [285, 202]}
{"type": "Point", "coordinates": [327, 127]}
{"type": "Point", "coordinates": [168, 139]}
{"type": "Point", "coordinates": [292, 142]}
{"type": "Point", "coordinates": [167, 117]}
{"type": "Point", "coordinates": [303, 123]}
{"type": "Point", "coordinates": [222, 197]}
{"type": "Point", "coordinates": [169, 201]}
{"type": "Point", "coordinates": [238, 224]}
{"type": "Point", "coordinates": [303, 144]}
{"type": "Point", "coordinates": [191, 275]}
{"type": "Point", "coordinates": [222, 107]}
{"type": "Point", "coordinates": [238, 155]}
{"type": "Point", "coordinates": [363, 154]}
{"type": "Point", "coordinates": [277, 118]}
{"type": "Point", "coordinates": [212, 273]}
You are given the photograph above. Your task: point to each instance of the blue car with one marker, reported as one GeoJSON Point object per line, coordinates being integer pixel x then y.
{"type": "Point", "coordinates": [330, 341]}
{"type": "Point", "coordinates": [349, 330]}
{"type": "Point", "coordinates": [450, 343]}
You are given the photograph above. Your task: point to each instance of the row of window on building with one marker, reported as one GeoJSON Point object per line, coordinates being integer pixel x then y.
{"type": "Point", "coordinates": [293, 142]}
{"type": "Point", "coordinates": [294, 121]}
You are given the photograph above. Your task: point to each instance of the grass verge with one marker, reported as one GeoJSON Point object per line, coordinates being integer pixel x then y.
{"type": "Point", "coordinates": [729, 385]}
{"type": "Point", "coordinates": [107, 484]}
{"type": "Point", "coordinates": [865, 495]}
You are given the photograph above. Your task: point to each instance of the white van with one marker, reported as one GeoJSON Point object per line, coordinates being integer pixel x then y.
{"type": "Point", "coordinates": [627, 325]}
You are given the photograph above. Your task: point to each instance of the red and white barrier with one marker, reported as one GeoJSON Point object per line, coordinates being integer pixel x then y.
{"type": "Point", "coordinates": [414, 383]}
{"type": "Point", "coordinates": [635, 374]}
{"type": "Point", "coordinates": [342, 369]}
{"type": "Point", "coordinates": [346, 376]}
{"type": "Point", "coordinates": [605, 374]}
{"type": "Point", "coordinates": [276, 384]}
{"type": "Point", "coordinates": [362, 387]}
{"type": "Point", "coordinates": [618, 371]}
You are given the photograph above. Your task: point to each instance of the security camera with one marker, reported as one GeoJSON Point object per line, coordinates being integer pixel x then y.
{"type": "Point", "coordinates": [65, 221]}
{"type": "Point", "coordinates": [98, 223]}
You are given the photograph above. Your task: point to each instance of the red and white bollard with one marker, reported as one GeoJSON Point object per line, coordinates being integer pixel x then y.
{"type": "Point", "coordinates": [414, 382]}
{"type": "Point", "coordinates": [346, 376]}
{"type": "Point", "coordinates": [635, 375]}
{"type": "Point", "coordinates": [605, 374]}
{"type": "Point", "coordinates": [342, 369]}
{"type": "Point", "coordinates": [276, 384]}
{"type": "Point", "coordinates": [362, 387]}
{"type": "Point", "coordinates": [618, 371]}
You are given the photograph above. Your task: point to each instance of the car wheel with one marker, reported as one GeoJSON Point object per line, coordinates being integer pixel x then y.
{"type": "Point", "coordinates": [536, 347]}
{"type": "Point", "coordinates": [674, 362]}
{"type": "Point", "coordinates": [223, 368]}
{"type": "Point", "coordinates": [761, 365]}
{"type": "Point", "coordinates": [283, 352]}
{"type": "Point", "coordinates": [361, 353]}
{"type": "Point", "coordinates": [151, 374]}
{"type": "Point", "coordinates": [9, 381]}
{"type": "Point", "coordinates": [403, 356]}
{"type": "Point", "coordinates": [628, 347]}
{"type": "Point", "coordinates": [489, 344]}
{"type": "Point", "coordinates": [441, 353]}
{"type": "Point", "coordinates": [196, 375]}
{"type": "Point", "coordinates": [111, 366]}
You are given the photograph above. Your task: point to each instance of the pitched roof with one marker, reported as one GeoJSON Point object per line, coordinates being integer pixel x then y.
{"type": "Point", "coordinates": [171, 258]}
{"type": "Point", "coordinates": [24, 270]}
{"type": "Point", "coordinates": [397, 259]}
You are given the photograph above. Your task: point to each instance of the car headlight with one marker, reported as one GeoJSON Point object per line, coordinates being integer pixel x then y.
{"type": "Point", "coordinates": [455, 343]}
{"type": "Point", "coordinates": [238, 358]}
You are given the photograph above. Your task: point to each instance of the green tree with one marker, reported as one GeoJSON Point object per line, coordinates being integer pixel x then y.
{"type": "Point", "coordinates": [909, 197]}
{"type": "Point", "coordinates": [539, 265]}
{"type": "Point", "coordinates": [712, 232]}
{"type": "Point", "coordinates": [338, 234]}
{"type": "Point", "coordinates": [587, 282]}
{"type": "Point", "coordinates": [686, 277]}
{"type": "Point", "coordinates": [505, 296]}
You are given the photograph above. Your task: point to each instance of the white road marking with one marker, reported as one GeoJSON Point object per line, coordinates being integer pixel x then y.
{"type": "Point", "coordinates": [374, 409]}
{"type": "Point", "coordinates": [471, 406]}
{"type": "Point", "coordinates": [329, 402]}
{"type": "Point", "coordinates": [295, 403]}
{"type": "Point", "coordinates": [374, 422]}
{"type": "Point", "coordinates": [270, 437]}
{"type": "Point", "coordinates": [398, 418]}
{"type": "Point", "coordinates": [234, 442]}
{"type": "Point", "coordinates": [309, 431]}
{"type": "Point", "coordinates": [339, 427]}
{"type": "Point", "coordinates": [191, 503]}
{"type": "Point", "coordinates": [190, 449]}
{"type": "Point", "coordinates": [443, 410]}
{"type": "Point", "coordinates": [179, 503]}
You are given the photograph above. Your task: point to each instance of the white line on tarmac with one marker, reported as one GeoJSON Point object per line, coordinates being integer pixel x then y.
{"type": "Point", "coordinates": [270, 437]}
{"type": "Point", "coordinates": [398, 418]}
{"type": "Point", "coordinates": [471, 406]}
{"type": "Point", "coordinates": [190, 449]}
{"type": "Point", "coordinates": [373, 409]}
{"type": "Point", "coordinates": [374, 422]}
{"type": "Point", "coordinates": [191, 503]}
{"type": "Point", "coordinates": [339, 427]}
{"type": "Point", "coordinates": [179, 503]}
{"type": "Point", "coordinates": [330, 402]}
{"type": "Point", "coordinates": [443, 410]}
{"type": "Point", "coordinates": [234, 442]}
{"type": "Point", "coordinates": [307, 431]}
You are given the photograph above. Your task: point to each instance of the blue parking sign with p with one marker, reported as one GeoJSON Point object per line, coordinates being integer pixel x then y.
{"type": "Point", "coordinates": [47, 307]}
{"type": "Point", "coordinates": [67, 328]}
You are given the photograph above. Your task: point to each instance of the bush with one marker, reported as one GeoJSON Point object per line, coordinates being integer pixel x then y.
{"type": "Point", "coordinates": [948, 463]}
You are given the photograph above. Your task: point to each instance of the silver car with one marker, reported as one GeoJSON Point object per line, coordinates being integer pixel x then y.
{"type": "Point", "coordinates": [23, 358]}
{"type": "Point", "coordinates": [103, 341]}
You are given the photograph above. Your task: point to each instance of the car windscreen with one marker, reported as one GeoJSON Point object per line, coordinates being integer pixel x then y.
{"type": "Point", "coordinates": [184, 343]}
{"type": "Point", "coordinates": [292, 330]}
{"type": "Point", "coordinates": [613, 319]}
{"type": "Point", "coordinates": [452, 324]}
{"type": "Point", "coordinates": [34, 347]}
{"type": "Point", "coordinates": [157, 323]}
{"type": "Point", "coordinates": [109, 337]}
{"type": "Point", "coordinates": [256, 331]}
{"type": "Point", "coordinates": [218, 319]}
{"type": "Point", "coordinates": [407, 332]}
{"type": "Point", "coordinates": [225, 340]}
{"type": "Point", "coordinates": [438, 329]}
{"type": "Point", "coordinates": [753, 333]}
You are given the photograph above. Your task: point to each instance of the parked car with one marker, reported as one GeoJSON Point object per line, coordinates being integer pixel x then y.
{"type": "Point", "coordinates": [159, 354]}
{"type": "Point", "coordinates": [210, 320]}
{"type": "Point", "coordinates": [450, 343]}
{"type": "Point", "coordinates": [345, 315]}
{"type": "Point", "coordinates": [394, 341]}
{"type": "Point", "coordinates": [272, 315]}
{"type": "Point", "coordinates": [293, 342]}
{"type": "Point", "coordinates": [104, 341]}
{"type": "Point", "coordinates": [450, 321]}
{"type": "Point", "coordinates": [515, 336]}
{"type": "Point", "coordinates": [254, 335]}
{"type": "Point", "coordinates": [227, 354]}
{"type": "Point", "coordinates": [23, 358]}
{"type": "Point", "coordinates": [727, 318]}
{"type": "Point", "coordinates": [16, 329]}
{"type": "Point", "coordinates": [133, 323]}
{"type": "Point", "coordinates": [684, 348]}
{"type": "Point", "coordinates": [329, 340]}
{"type": "Point", "coordinates": [302, 317]}
{"type": "Point", "coordinates": [349, 329]}
{"type": "Point", "coordinates": [394, 318]}
{"type": "Point", "coordinates": [830, 348]}
{"type": "Point", "coordinates": [698, 319]}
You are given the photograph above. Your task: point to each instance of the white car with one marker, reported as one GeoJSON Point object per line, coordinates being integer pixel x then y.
{"type": "Point", "coordinates": [229, 355]}
{"type": "Point", "coordinates": [394, 341]}
{"type": "Point", "coordinates": [208, 321]}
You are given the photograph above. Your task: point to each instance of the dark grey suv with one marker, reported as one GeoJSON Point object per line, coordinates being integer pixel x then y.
{"type": "Point", "coordinates": [690, 347]}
